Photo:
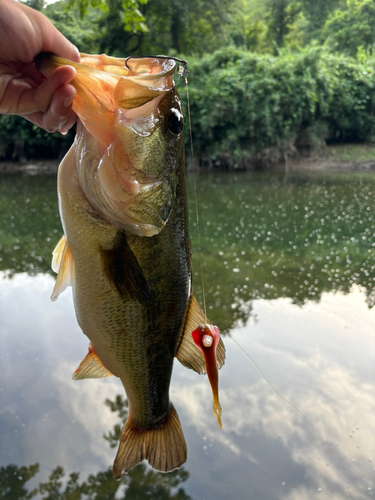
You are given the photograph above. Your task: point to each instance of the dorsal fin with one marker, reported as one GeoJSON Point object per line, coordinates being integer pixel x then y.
{"type": "Point", "coordinates": [91, 367]}
{"type": "Point", "coordinates": [123, 271]}
{"type": "Point", "coordinates": [62, 263]}
{"type": "Point", "coordinates": [188, 353]}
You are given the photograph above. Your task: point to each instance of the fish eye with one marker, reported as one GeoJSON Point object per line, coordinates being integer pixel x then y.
{"type": "Point", "coordinates": [175, 122]}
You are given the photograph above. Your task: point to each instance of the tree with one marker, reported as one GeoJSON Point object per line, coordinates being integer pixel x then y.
{"type": "Point", "coordinates": [35, 4]}
{"type": "Point", "coordinates": [280, 15]}
{"type": "Point", "coordinates": [82, 32]}
{"type": "Point", "coordinates": [347, 30]}
{"type": "Point", "coordinates": [133, 18]}
{"type": "Point", "coordinates": [141, 481]}
{"type": "Point", "coordinates": [316, 13]}
{"type": "Point", "coordinates": [13, 479]}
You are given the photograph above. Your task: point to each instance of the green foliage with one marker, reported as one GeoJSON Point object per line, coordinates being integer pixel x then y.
{"type": "Point", "coordinates": [280, 15]}
{"type": "Point", "coordinates": [132, 17]}
{"type": "Point", "coordinates": [140, 482]}
{"type": "Point", "coordinates": [347, 30]}
{"type": "Point", "coordinates": [20, 139]}
{"type": "Point", "coordinates": [121, 406]}
{"type": "Point", "coordinates": [82, 32]}
{"type": "Point", "coordinates": [27, 239]}
{"type": "Point", "coordinates": [261, 237]}
{"type": "Point", "coordinates": [246, 106]}
{"type": "Point", "coordinates": [244, 103]}
{"type": "Point", "coordinates": [177, 26]}
{"type": "Point", "coordinates": [201, 26]}
{"type": "Point", "coordinates": [13, 479]}
{"type": "Point", "coordinates": [271, 236]}
{"type": "Point", "coordinates": [35, 4]}
{"type": "Point", "coordinates": [316, 13]}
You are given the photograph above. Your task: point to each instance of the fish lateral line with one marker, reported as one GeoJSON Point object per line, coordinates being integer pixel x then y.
{"type": "Point", "coordinates": [300, 412]}
{"type": "Point", "coordinates": [206, 337]}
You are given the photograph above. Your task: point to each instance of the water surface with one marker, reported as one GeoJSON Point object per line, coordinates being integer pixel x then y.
{"type": "Point", "coordinates": [289, 274]}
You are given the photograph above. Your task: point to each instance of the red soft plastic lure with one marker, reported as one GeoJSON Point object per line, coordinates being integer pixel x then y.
{"type": "Point", "coordinates": [206, 338]}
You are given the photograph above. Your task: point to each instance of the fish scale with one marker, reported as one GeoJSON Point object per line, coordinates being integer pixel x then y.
{"type": "Point", "coordinates": [126, 249]}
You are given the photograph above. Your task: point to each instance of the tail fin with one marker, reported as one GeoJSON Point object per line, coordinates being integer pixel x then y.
{"type": "Point", "coordinates": [163, 447]}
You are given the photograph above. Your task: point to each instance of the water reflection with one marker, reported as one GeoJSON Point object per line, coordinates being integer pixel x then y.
{"type": "Point", "coordinates": [138, 484]}
{"type": "Point", "coordinates": [29, 223]}
{"type": "Point", "coordinates": [266, 239]}
{"type": "Point", "coordinates": [261, 238]}
{"type": "Point", "coordinates": [316, 345]}
{"type": "Point", "coordinates": [141, 481]}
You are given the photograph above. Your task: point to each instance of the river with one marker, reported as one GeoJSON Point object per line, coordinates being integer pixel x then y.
{"type": "Point", "coordinates": [289, 277]}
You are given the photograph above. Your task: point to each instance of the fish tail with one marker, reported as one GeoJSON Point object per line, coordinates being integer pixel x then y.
{"type": "Point", "coordinates": [163, 447]}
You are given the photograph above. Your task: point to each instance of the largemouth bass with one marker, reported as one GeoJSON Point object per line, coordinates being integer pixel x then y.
{"type": "Point", "coordinates": [126, 248]}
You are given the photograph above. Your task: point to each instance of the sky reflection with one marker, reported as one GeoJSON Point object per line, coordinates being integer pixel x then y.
{"type": "Point", "coordinates": [320, 356]}
{"type": "Point", "coordinates": [289, 274]}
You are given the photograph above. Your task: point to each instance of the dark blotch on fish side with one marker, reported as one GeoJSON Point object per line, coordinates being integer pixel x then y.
{"type": "Point", "coordinates": [121, 267]}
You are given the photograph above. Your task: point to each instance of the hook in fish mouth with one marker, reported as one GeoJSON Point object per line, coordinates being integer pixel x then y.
{"type": "Point", "coordinates": [181, 61]}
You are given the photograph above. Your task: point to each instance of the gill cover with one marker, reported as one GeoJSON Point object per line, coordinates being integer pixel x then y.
{"type": "Point", "coordinates": [129, 138]}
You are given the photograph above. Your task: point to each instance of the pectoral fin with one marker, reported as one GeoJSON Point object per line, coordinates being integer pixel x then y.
{"type": "Point", "coordinates": [62, 263]}
{"type": "Point", "coordinates": [188, 353]}
{"type": "Point", "coordinates": [91, 367]}
{"type": "Point", "coordinates": [123, 271]}
{"type": "Point", "coordinates": [57, 254]}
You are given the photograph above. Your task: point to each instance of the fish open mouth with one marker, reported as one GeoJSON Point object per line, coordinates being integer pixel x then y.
{"type": "Point", "coordinates": [124, 162]}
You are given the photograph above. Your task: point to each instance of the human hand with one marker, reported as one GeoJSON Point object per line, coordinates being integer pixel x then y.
{"type": "Point", "coordinates": [24, 33]}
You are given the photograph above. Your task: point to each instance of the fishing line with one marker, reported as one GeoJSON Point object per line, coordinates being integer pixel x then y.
{"type": "Point", "coordinates": [302, 415]}
{"type": "Point", "coordinates": [184, 72]}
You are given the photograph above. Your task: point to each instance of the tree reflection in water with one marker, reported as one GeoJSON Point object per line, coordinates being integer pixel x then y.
{"type": "Point", "coordinates": [261, 237]}
{"type": "Point", "coordinates": [140, 483]}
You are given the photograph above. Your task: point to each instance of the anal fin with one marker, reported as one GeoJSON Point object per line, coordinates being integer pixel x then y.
{"type": "Point", "coordinates": [188, 353]}
{"type": "Point", "coordinates": [62, 263]}
{"type": "Point", "coordinates": [91, 367]}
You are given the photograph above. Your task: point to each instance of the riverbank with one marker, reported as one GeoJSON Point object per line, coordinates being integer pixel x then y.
{"type": "Point", "coordinates": [346, 157]}
{"type": "Point", "coordinates": [32, 167]}
{"type": "Point", "coordinates": [336, 157]}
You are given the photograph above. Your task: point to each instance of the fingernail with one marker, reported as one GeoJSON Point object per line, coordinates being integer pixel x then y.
{"type": "Point", "coordinates": [64, 131]}
{"type": "Point", "coordinates": [77, 53]}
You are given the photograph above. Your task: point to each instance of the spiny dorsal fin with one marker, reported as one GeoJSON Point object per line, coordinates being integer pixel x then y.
{"type": "Point", "coordinates": [121, 267]}
{"type": "Point", "coordinates": [188, 353]}
{"type": "Point", "coordinates": [91, 367]}
{"type": "Point", "coordinates": [62, 263]}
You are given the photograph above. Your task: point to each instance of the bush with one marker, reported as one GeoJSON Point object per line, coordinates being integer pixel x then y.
{"type": "Point", "coordinates": [247, 106]}
{"type": "Point", "coordinates": [20, 140]}
{"type": "Point", "coordinates": [244, 103]}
